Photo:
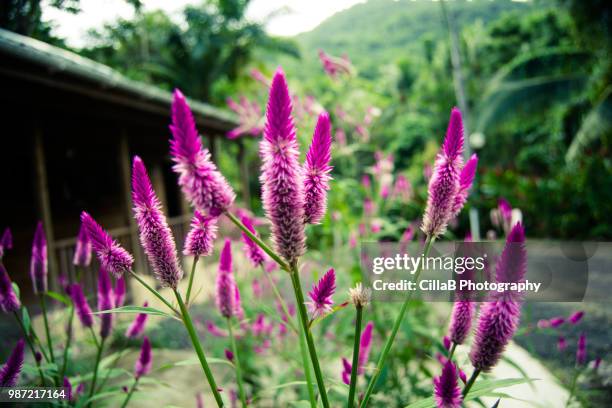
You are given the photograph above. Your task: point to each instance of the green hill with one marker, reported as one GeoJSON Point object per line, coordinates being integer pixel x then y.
{"type": "Point", "coordinates": [378, 32]}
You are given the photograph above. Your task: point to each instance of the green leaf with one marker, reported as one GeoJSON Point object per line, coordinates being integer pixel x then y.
{"type": "Point", "coordinates": [59, 297]}
{"type": "Point", "coordinates": [16, 290]}
{"type": "Point", "coordinates": [480, 389]}
{"type": "Point", "coordinates": [193, 361]}
{"type": "Point", "coordinates": [27, 323]}
{"type": "Point", "coordinates": [136, 309]}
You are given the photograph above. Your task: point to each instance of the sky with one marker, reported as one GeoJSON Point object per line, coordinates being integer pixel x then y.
{"type": "Point", "coordinates": [300, 15]}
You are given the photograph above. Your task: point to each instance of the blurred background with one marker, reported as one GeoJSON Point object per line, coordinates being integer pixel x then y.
{"type": "Point", "coordinates": [86, 84]}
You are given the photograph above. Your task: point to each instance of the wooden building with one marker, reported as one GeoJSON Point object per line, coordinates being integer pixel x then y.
{"type": "Point", "coordinates": [69, 127]}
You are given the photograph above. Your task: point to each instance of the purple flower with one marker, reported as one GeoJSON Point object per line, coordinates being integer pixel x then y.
{"type": "Point", "coordinates": [225, 293]}
{"type": "Point", "coordinates": [9, 302]}
{"type": "Point", "coordinates": [446, 342]}
{"type": "Point", "coordinates": [446, 389]}
{"type": "Point", "coordinates": [597, 363]}
{"type": "Point", "coordinates": [82, 251]}
{"type": "Point", "coordinates": [281, 174]}
{"type": "Point", "coordinates": [250, 118]}
{"type": "Point", "coordinates": [253, 251]}
{"type": "Point", "coordinates": [119, 292]}
{"type": "Point", "coordinates": [138, 324]}
{"type": "Point", "coordinates": [229, 355]}
{"type": "Point", "coordinates": [466, 178]}
{"type": "Point", "coordinates": [111, 255]}
{"type": "Point", "coordinates": [556, 321]}
{"type": "Point", "coordinates": [444, 183]}
{"type": "Point", "coordinates": [9, 374]}
{"type": "Point", "coordinates": [203, 185]}
{"type": "Point", "coordinates": [238, 310]}
{"type": "Point", "coordinates": [581, 351]}
{"type": "Point", "coordinates": [461, 320]}
{"type": "Point", "coordinates": [561, 343]}
{"type": "Point", "coordinates": [201, 237]}
{"type": "Point", "coordinates": [214, 329]}
{"type": "Point", "coordinates": [321, 294]}
{"type": "Point", "coordinates": [199, 400]}
{"type": "Point", "coordinates": [38, 262]}
{"type": "Point", "coordinates": [145, 360]}
{"type": "Point", "coordinates": [80, 305]}
{"type": "Point", "coordinates": [6, 242]}
{"type": "Point", "coordinates": [499, 315]}
{"type": "Point", "coordinates": [68, 387]}
{"type": "Point", "coordinates": [155, 234]}
{"type": "Point", "coordinates": [316, 171]}
{"type": "Point", "coordinates": [105, 302]}
{"type": "Point", "coordinates": [347, 367]}
{"type": "Point", "coordinates": [365, 344]}
{"type": "Point", "coordinates": [576, 317]}
{"type": "Point", "coordinates": [505, 210]}
{"type": "Point", "coordinates": [543, 324]}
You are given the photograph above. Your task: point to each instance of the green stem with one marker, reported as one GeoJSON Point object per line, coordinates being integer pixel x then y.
{"type": "Point", "coordinates": [572, 388]}
{"type": "Point", "coordinates": [398, 321]}
{"type": "Point", "coordinates": [306, 364]}
{"type": "Point", "coordinates": [259, 242]}
{"type": "Point", "coordinates": [29, 341]}
{"type": "Point", "coordinates": [43, 305]}
{"type": "Point", "coordinates": [129, 395]}
{"type": "Point", "coordinates": [198, 348]}
{"type": "Point", "coordinates": [154, 292]}
{"type": "Point", "coordinates": [68, 340]}
{"type": "Point", "coordinates": [237, 364]}
{"type": "Point", "coordinates": [95, 374]}
{"type": "Point", "coordinates": [113, 365]}
{"type": "Point", "coordinates": [280, 299]}
{"type": "Point", "coordinates": [93, 335]}
{"type": "Point", "coordinates": [355, 368]}
{"type": "Point", "coordinates": [40, 345]}
{"type": "Point", "coordinates": [193, 267]}
{"type": "Point", "coordinates": [299, 297]}
{"type": "Point", "coordinates": [452, 351]}
{"type": "Point", "coordinates": [470, 382]}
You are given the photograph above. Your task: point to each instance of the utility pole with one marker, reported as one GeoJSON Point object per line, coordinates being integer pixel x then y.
{"type": "Point", "coordinates": [458, 82]}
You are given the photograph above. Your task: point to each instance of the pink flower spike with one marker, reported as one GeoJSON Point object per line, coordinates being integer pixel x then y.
{"type": "Point", "coordinates": [446, 389]}
{"type": "Point", "coordinates": [321, 294]}
{"type": "Point", "coordinates": [9, 302]}
{"type": "Point", "coordinates": [111, 255]}
{"type": "Point", "coordinates": [444, 183]}
{"type": "Point", "coordinates": [203, 185]}
{"type": "Point", "coordinates": [201, 237]}
{"type": "Point", "coordinates": [105, 302]}
{"type": "Point", "coordinates": [581, 353]}
{"type": "Point", "coordinates": [155, 234]}
{"type": "Point", "coordinates": [10, 371]}
{"type": "Point", "coordinates": [80, 305]}
{"type": "Point", "coordinates": [561, 343]}
{"type": "Point", "coordinates": [38, 261]}
{"type": "Point", "coordinates": [281, 174]}
{"type": "Point", "coordinates": [82, 251]}
{"type": "Point", "coordinates": [225, 286]}
{"type": "Point", "coordinates": [119, 292]}
{"type": "Point", "coordinates": [145, 360]}
{"type": "Point", "coordinates": [446, 342]}
{"type": "Point", "coordinates": [365, 344]}
{"type": "Point", "coordinates": [6, 242]}
{"type": "Point", "coordinates": [453, 143]}
{"type": "Point", "coordinates": [576, 317]}
{"type": "Point", "coordinates": [214, 330]}
{"type": "Point", "coordinates": [316, 171]}
{"type": "Point", "coordinates": [466, 178]}
{"type": "Point", "coordinates": [138, 324]}
{"type": "Point", "coordinates": [556, 322]}
{"type": "Point", "coordinates": [255, 254]}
